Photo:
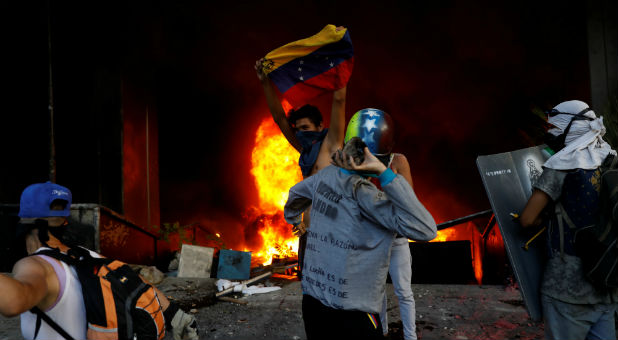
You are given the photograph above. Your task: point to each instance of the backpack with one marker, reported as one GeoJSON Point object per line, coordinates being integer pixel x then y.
{"type": "Point", "coordinates": [119, 303]}
{"type": "Point", "coordinates": [597, 244]}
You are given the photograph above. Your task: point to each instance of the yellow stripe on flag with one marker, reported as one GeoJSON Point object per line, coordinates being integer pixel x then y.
{"type": "Point", "coordinates": [299, 48]}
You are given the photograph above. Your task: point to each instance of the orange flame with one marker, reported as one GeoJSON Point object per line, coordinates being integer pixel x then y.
{"type": "Point", "coordinates": [276, 244]}
{"type": "Point", "coordinates": [445, 235]}
{"type": "Point", "coordinates": [466, 232]}
{"type": "Point", "coordinates": [274, 166]}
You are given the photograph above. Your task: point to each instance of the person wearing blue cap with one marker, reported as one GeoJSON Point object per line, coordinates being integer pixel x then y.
{"type": "Point", "coordinates": [41, 281]}
{"type": "Point", "coordinates": [53, 286]}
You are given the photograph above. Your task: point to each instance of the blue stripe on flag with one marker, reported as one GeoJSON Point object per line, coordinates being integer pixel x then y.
{"type": "Point", "coordinates": [312, 64]}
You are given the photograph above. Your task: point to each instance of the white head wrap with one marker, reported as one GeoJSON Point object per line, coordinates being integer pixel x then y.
{"type": "Point", "coordinates": [584, 144]}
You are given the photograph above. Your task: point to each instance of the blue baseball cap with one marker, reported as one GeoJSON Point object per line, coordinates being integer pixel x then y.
{"type": "Point", "coordinates": [37, 199]}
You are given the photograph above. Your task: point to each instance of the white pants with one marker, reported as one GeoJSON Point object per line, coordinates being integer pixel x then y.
{"type": "Point", "coordinates": [401, 275]}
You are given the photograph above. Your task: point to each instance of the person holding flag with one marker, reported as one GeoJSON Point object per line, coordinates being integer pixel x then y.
{"type": "Point", "coordinates": [301, 71]}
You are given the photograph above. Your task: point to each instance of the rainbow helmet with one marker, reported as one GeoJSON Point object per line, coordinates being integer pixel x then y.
{"type": "Point", "coordinates": [375, 128]}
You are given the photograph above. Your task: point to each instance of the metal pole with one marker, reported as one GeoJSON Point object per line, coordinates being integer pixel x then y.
{"type": "Point", "coordinates": [50, 107]}
{"type": "Point", "coordinates": [148, 170]}
{"type": "Point", "coordinates": [464, 219]}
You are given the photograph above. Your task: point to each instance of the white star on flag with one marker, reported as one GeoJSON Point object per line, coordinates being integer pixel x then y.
{"type": "Point", "coordinates": [371, 113]}
{"type": "Point", "coordinates": [301, 78]}
{"type": "Point", "coordinates": [300, 69]}
{"type": "Point", "coordinates": [332, 64]}
{"type": "Point", "coordinates": [370, 124]}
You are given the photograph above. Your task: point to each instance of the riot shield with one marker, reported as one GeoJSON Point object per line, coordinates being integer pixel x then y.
{"type": "Point", "coordinates": [508, 179]}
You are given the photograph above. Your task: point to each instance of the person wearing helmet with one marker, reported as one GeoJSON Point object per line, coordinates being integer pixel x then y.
{"type": "Point", "coordinates": [400, 267]}
{"type": "Point", "coordinates": [49, 284]}
{"type": "Point", "coordinates": [572, 307]}
{"type": "Point", "coordinates": [353, 228]}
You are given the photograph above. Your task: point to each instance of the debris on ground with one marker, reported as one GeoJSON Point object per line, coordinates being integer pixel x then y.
{"type": "Point", "coordinates": [223, 284]}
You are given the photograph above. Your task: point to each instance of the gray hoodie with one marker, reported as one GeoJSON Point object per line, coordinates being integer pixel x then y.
{"type": "Point", "coordinates": [353, 225]}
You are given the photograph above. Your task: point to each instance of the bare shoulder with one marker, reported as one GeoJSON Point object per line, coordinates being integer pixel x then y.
{"type": "Point", "coordinates": [30, 266]}
{"type": "Point", "coordinates": [400, 161]}
{"type": "Point", "coordinates": [399, 157]}
{"type": "Point", "coordinates": [326, 150]}
{"type": "Point", "coordinates": [401, 167]}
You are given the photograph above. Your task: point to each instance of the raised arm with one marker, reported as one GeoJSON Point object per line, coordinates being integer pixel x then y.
{"type": "Point", "coordinates": [26, 289]}
{"type": "Point", "coordinates": [336, 130]}
{"type": "Point", "coordinates": [276, 110]}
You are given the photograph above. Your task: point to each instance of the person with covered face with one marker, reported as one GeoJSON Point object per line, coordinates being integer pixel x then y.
{"type": "Point", "coordinates": [573, 308]}
{"type": "Point", "coordinates": [304, 130]}
{"type": "Point", "coordinates": [353, 228]}
{"type": "Point", "coordinates": [51, 285]}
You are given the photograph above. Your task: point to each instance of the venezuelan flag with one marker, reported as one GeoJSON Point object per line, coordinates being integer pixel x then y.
{"type": "Point", "coordinates": [306, 68]}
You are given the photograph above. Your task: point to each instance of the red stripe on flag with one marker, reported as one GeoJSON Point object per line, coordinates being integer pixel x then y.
{"type": "Point", "coordinates": [333, 79]}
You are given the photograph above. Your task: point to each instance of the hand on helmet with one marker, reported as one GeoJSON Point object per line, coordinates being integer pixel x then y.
{"type": "Point", "coordinates": [371, 163]}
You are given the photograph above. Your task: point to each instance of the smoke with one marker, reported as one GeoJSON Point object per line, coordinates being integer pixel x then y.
{"type": "Point", "coordinates": [458, 79]}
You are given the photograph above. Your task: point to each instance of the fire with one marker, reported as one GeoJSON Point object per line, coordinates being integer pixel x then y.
{"type": "Point", "coordinates": [276, 243]}
{"type": "Point", "coordinates": [274, 166]}
{"type": "Point", "coordinates": [275, 170]}
{"type": "Point", "coordinates": [466, 232]}
{"type": "Point", "coordinates": [445, 235]}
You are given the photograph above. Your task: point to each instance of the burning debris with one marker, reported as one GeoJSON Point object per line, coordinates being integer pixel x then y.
{"type": "Point", "coordinates": [269, 238]}
{"type": "Point", "coordinates": [275, 170]}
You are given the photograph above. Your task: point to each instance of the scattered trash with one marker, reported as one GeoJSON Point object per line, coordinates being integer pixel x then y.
{"type": "Point", "coordinates": [223, 284]}
{"type": "Point", "coordinates": [243, 286]}
{"type": "Point", "coordinates": [152, 275]}
{"type": "Point", "coordinates": [259, 289]}
{"type": "Point", "coordinates": [237, 287]}
{"type": "Point", "coordinates": [234, 264]}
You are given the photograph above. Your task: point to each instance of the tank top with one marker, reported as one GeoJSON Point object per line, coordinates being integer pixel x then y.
{"type": "Point", "coordinates": [68, 310]}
